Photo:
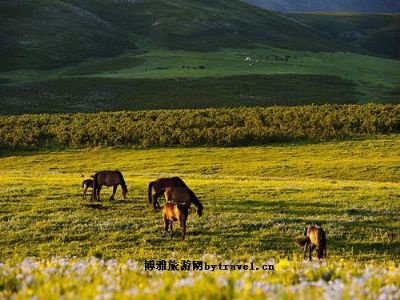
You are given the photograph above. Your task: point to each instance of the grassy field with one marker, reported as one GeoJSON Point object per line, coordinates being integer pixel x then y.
{"type": "Point", "coordinates": [74, 95]}
{"type": "Point", "coordinates": [165, 79]}
{"type": "Point", "coordinates": [257, 201]}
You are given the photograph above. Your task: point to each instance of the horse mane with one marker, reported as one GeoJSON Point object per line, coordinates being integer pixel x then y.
{"type": "Point", "coordinates": [178, 182]}
{"type": "Point", "coordinates": [123, 184]}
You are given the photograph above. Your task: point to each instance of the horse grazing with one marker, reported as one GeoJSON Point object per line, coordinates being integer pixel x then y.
{"type": "Point", "coordinates": [173, 212]}
{"type": "Point", "coordinates": [86, 184]}
{"type": "Point", "coordinates": [159, 185]}
{"type": "Point", "coordinates": [178, 201]}
{"type": "Point", "coordinates": [314, 236]}
{"type": "Point", "coordinates": [108, 178]}
{"type": "Point", "coordinates": [184, 196]}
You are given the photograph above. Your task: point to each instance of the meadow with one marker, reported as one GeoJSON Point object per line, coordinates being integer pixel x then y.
{"type": "Point", "coordinates": [180, 79]}
{"type": "Point", "coordinates": [257, 201]}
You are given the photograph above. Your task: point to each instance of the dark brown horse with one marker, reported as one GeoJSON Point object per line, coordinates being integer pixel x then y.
{"type": "Point", "coordinates": [176, 207]}
{"type": "Point", "coordinates": [159, 185]}
{"type": "Point", "coordinates": [86, 184]}
{"type": "Point", "coordinates": [314, 237]}
{"type": "Point", "coordinates": [108, 178]}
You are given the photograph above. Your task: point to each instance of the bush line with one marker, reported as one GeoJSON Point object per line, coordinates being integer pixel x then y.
{"type": "Point", "coordinates": [216, 127]}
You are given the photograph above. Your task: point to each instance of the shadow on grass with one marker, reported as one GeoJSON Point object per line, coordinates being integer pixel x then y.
{"type": "Point", "coordinates": [96, 206]}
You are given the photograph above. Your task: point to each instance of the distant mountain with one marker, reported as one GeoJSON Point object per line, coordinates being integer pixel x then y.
{"type": "Point", "coordinates": [368, 6]}
{"type": "Point", "coordinates": [376, 33]}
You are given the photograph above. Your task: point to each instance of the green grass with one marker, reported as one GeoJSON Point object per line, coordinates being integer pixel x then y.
{"type": "Point", "coordinates": [109, 94]}
{"type": "Point", "coordinates": [257, 200]}
{"type": "Point", "coordinates": [166, 79]}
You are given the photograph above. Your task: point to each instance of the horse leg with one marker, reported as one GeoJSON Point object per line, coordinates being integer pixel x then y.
{"type": "Point", "coordinates": [114, 191]}
{"type": "Point", "coordinates": [172, 229]}
{"type": "Point", "coordinates": [182, 221]}
{"type": "Point", "coordinates": [84, 193]}
{"type": "Point", "coordinates": [98, 193]}
{"type": "Point", "coordinates": [305, 250]}
{"type": "Point", "coordinates": [93, 195]}
{"type": "Point", "coordinates": [166, 225]}
{"type": "Point", "coordinates": [156, 205]}
{"type": "Point", "coordinates": [310, 251]}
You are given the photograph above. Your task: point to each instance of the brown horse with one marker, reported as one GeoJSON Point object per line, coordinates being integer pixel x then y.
{"type": "Point", "coordinates": [108, 178]}
{"type": "Point", "coordinates": [173, 212]}
{"type": "Point", "coordinates": [86, 184]}
{"type": "Point", "coordinates": [183, 196]}
{"type": "Point", "coordinates": [159, 185]}
{"type": "Point", "coordinates": [178, 201]}
{"type": "Point", "coordinates": [314, 236]}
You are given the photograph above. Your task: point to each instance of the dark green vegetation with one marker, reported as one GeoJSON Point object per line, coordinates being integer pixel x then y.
{"type": "Point", "coordinates": [222, 127]}
{"type": "Point", "coordinates": [370, 6]}
{"type": "Point", "coordinates": [377, 34]}
{"type": "Point", "coordinates": [102, 94]}
{"type": "Point", "coordinates": [257, 200]}
{"type": "Point", "coordinates": [44, 34]}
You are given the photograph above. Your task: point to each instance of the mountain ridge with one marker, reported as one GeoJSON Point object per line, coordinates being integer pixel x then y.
{"type": "Point", "coordinates": [365, 6]}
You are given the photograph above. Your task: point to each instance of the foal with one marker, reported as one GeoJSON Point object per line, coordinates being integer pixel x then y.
{"type": "Point", "coordinates": [178, 201]}
{"type": "Point", "coordinates": [173, 212]}
{"type": "Point", "coordinates": [314, 237]}
{"type": "Point", "coordinates": [86, 184]}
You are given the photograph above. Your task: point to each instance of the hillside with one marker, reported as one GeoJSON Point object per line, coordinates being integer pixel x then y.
{"type": "Point", "coordinates": [94, 55]}
{"type": "Point", "coordinates": [369, 6]}
{"type": "Point", "coordinates": [44, 34]}
{"type": "Point", "coordinates": [377, 34]}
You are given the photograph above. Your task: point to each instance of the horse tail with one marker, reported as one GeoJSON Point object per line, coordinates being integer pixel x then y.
{"type": "Point", "coordinates": [95, 186]}
{"type": "Point", "coordinates": [83, 184]}
{"type": "Point", "coordinates": [122, 181]}
{"type": "Point", "coordinates": [196, 202]}
{"type": "Point", "coordinates": [149, 191]}
{"type": "Point", "coordinates": [301, 242]}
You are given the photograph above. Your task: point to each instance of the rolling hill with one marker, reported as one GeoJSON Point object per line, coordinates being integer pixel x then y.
{"type": "Point", "coordinates": [369, 6]}
{"type": "Point", "coordinates": [44, 34]}
{"type": "Point", "coordinates": [94, 55]}
{"type": "Point", "coordinates": [377, 34]}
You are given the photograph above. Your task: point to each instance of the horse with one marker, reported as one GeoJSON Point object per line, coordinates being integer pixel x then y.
{"type": "Point", "coordinates": [86, 184]}
{"type": "Point", "coordinates": [314, 236]}
{"type": "Point", "coordinates": [159, 185]}
{"type": "Point", "coordinates": [108, 178]}
{"type": "Point", "coordinates": [173, 212]}
{"type": "Point", "coordinates": [176, 207]}
{"type": "Point", "coordinates": [183, 196]}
